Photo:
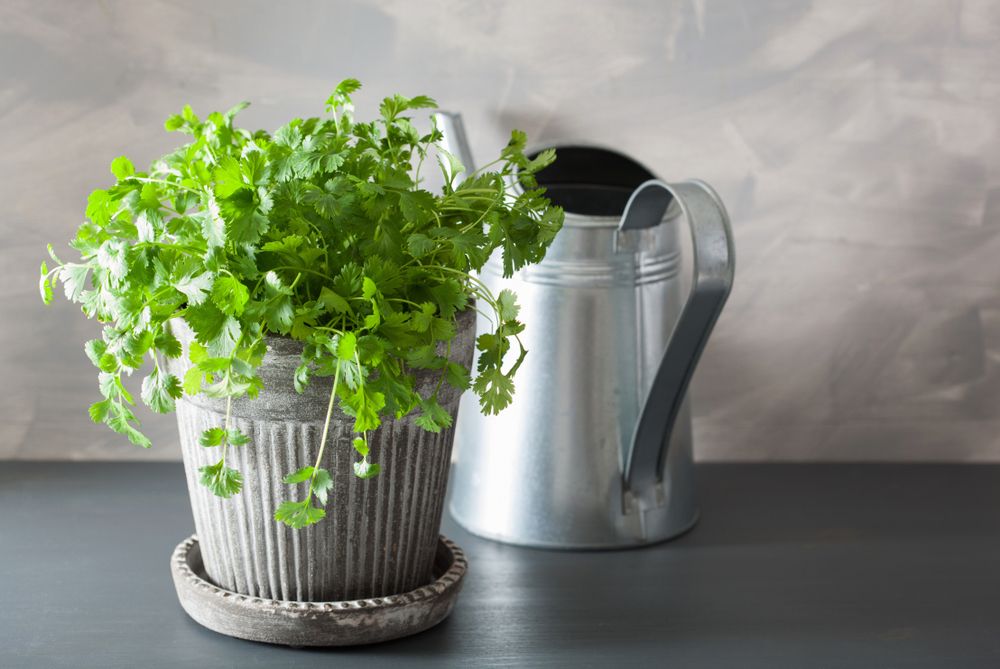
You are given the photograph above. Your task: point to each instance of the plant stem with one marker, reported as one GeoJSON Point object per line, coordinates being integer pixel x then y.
{"type": "Point", "coordinates": [326, 427]}
{"type": "Point", "coordinates": [225, 441]}
{"type": "Point", "coordinates": [163, 181]}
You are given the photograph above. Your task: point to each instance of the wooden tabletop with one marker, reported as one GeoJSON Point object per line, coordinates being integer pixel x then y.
{"type": "Point", "coordinates": [808, 566]}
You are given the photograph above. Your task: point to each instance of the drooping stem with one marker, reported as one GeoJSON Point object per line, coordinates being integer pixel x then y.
{"type": "Point", "coordinates": [225, 438]}
{"type": "Point", "coordinates": [326, 426]}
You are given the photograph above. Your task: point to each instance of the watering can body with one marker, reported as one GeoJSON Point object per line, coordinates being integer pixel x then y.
{"type": "Point", "coordinates": [595, 450]}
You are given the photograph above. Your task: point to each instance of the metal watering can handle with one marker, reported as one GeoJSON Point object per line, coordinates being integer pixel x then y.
{"type": "Point", "coordinates": [712, 241]}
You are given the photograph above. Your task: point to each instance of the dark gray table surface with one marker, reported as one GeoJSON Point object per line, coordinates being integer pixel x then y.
{"type": "Point", "coordinates": [790, 566]}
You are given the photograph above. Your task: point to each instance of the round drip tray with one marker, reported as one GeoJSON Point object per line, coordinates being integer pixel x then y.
{"type": "Point", "coordinates": [345, 623]}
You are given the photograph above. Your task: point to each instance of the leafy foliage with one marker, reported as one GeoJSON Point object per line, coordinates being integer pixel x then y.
{"type": "Point", "coordinates": [320, 232]}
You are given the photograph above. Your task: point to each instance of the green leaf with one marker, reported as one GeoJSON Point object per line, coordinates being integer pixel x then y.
{"type": "Point", "coordinates": [120, 419]}
{"type": "Point", "coordinates": [450, 297]}
{"type": "Point", "coordinates": [195, 288]}
{"type": "Point", "coordinates": [346, 346]}
{"type": "Point", "coordinates": [341, 95]}
{"type": "Point", "coordinates": [245, 223]}
{"type": "Point", "coordinates": [433, 416]}
{"type": "Point", "coordinates": [450, 164]}
{"type": "Point", "coordinates": [228, 177]}
{"type": "Point", "coordinates": [278, 310]}
{"type": "Point", "coordinates": [301, 379]}
{"type": "Point", "coordinates": [332, 200]}
{"type": "Point", "coordinates": [159, 390]}
{"type": "Point", "coordinates": [364, 404]}
{"type": "Point", "coordinates": [416, 206]}
{"type": "Point", "coordinates": [95, 349]}
{"type": "Point", "coordinates": [230, 295]}
{"type": "Point", "coordinates": [99, 207]}
{"type": "Point", "coordinates": [45, 285]}
{"type": "Point", "coordinates": [236, 109]}
{"type": "Point", "coordinates": [457, 376]}
{"type": "Point", "coordinates": [213, 436]}
{"type": "Point", "coordinates": [218, 331]}
{"type": "Point", "coordinates": [213, 226]}
{"type": "Point", "coordinates": [173, 123]}
{"type": "Point", "coordinates": [495, 391]}
{"type": "Point", "coordinates": [368, 289]}
{"type": "Point", "coordinates": [113, 256]}
{"type": "Point", "coordinates": [74, 280]}
{"type": "Point", "coordinates": [298, 514]}
{"type": "Point", "coordinates": [366, 470]}
{"type": "Point", "coordinates": [420, 245]}
{"type": "Point", "coordinates": [322, 485]}
{"type": "Point", "coordinates": [223, 481]}
{"type": "Point", "coordinates": [334, 302]}
{"type": "Point", "coordinates": [237, 438]}
{"type": "Point", "coordinates": [507, 302]}
{"type": "Point", "coordinates": [99, 411]}
{"type": "Point", "coordinates": [167, 344]}
{"type": "Point", "coordinates": [122, 168]}
{"type": "Point", "coordinates": [193, 378]}
{"type": "Point", "coordinates": [361, 446]}
{"type": "Point", "coordinates": [301, 475]}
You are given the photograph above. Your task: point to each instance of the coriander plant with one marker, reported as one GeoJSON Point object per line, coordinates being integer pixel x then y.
{"type": "Point", "coordinates": [320, 232]}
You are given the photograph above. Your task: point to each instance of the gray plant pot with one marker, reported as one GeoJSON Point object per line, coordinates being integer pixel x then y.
{"type": "Point", "coordinates": [380, 535]}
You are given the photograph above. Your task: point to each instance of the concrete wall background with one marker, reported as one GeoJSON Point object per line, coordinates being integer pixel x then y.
{"type": "Point", "coordinates": [855, 143]}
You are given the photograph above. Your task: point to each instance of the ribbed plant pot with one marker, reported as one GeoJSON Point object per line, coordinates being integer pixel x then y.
{"type": "Point", "coordinates": [380, 535]}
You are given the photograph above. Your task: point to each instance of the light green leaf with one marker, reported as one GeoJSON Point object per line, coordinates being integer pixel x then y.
{"type": "Point", "coordinates": [228, 177]}
{"type": "Point", "coordinates": [237, 438]}
{"type": "Point", "coordinates": [45, 285]}
{"type": "Point", "coordinates": [196, 288]}
{"type": "Point", "coordinates": [299, 514]}
{"type": "Point", "coordinates": [159, 390]}
{"type": "Point", "coordinates": [301, 475]}
{"type": "Point", "coordinates": [366, 470]}
{"type": "Point", "coordinates": [368, 289]}
{"type": "Point", "coordinates": [346, 346]}
{"type": "Point", "coordinates": [223, 481]}
{"type": "Point", "coordinates": [213, 436]}
{"type": "Point", "coordinates": [322, 485]}
{"type": "Point", "coordinates": [230, 295]}
{"type": "Point", "coordinates": [334, 302]}
{"type": "Point", "coordinates": [433, 416]}
{"type": "Point", "coordinates": [192, 381]}
{"type": "Point", "coordinates": [122, 168]}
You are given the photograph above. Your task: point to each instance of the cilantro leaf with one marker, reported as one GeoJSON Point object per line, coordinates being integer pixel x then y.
{"type": "Point", "coordinates": [159, 390]}
{"type": "Point", "coordinates": [122, 168]}
{"type": "Point", "coordinates": [229, 295]}
{"type": "Point", "coordinates": [299, 514]}
{"type": "Point", "coordinates": [366, 470]}
{"type": "Point", "coordinates": [433, 416]}
{"type": "Point", "coordinates": [213, 436]}
{"type": "Point", "coordinates": [223, 481]}
{"type": "Point", "coordinates": [195, 288]}
{"type": "Point", "coordinates": [301, 475]}
{"type": "Point", "coordinates": [322, 485]}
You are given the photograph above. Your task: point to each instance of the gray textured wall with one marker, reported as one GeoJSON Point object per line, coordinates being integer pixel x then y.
{"type": "Point", "coordinates": [856, 144]}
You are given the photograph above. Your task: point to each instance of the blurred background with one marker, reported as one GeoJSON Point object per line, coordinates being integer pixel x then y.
{"type": "Point", "coordinates": [856, 145]}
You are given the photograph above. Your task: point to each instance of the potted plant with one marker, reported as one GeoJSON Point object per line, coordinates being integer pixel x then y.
{"type": "Point", "coordinates": [308, 308]}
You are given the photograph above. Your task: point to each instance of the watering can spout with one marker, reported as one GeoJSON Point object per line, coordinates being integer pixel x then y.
{"type": "Point", "coordinates": [712, 243]}
{"type": "Point", "coordinates": [454, 140]}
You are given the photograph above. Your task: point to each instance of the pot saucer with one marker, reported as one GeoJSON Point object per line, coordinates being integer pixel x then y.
{"type": "Point", "coordinates": [345, 623]}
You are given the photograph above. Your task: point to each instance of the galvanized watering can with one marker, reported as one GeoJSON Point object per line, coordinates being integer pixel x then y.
{"type": "Point", "coordinates": [595, 451]}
